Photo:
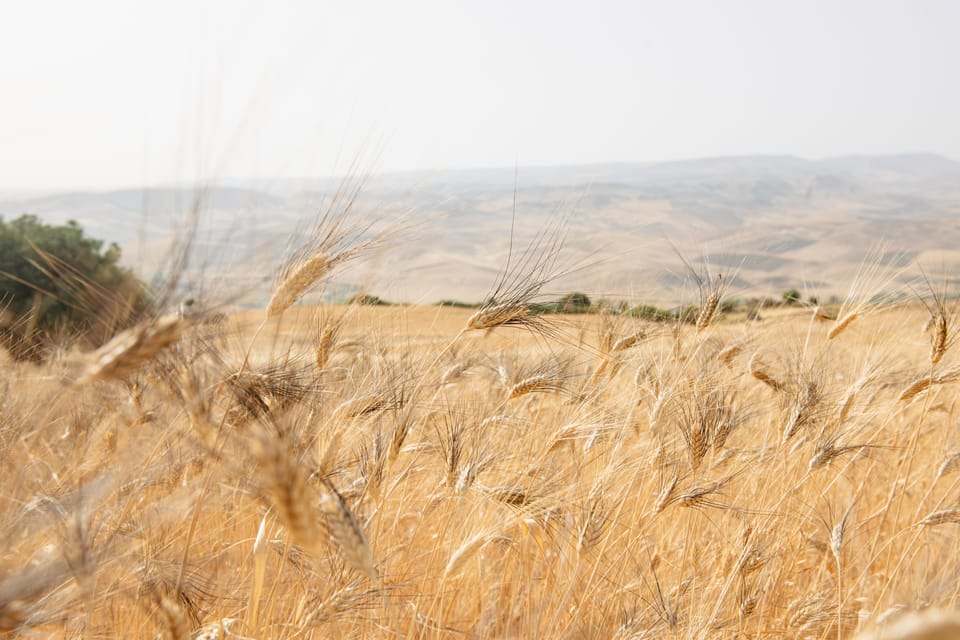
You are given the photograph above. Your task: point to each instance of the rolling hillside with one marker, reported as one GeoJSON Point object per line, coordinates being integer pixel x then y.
{"type": "Point", "coordinates": [774, 221]}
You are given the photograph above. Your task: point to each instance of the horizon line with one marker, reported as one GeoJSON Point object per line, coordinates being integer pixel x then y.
{"type": "Point", "coordinates": [226, 180]}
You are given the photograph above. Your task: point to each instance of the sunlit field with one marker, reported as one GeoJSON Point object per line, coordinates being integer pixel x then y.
{"type": "Point", "coordinates": [352, 471]}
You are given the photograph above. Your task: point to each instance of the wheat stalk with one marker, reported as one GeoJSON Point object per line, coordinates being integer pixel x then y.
{"type": "Point", "coordinates": [916, 388]}
{"type": "Point", "coordinates": [295, 283]}
{"type": "Point", "coordinates": [498, 315]}
{"type": "Point", "coordinates": [173, 618]}
{"type": "Point", "coordinates": [758, 372]}
{"type": "Point", "coordinates": [532, 384]}
{"type": "Point", "coordinates": [727, 354]}
{"type": "Point", "coordinates": [259, 572]}
{"type": "Point", "coordinates": [289, 492]}
{"type": "Point", "coordinates": [950, 464]}
{"type": "Point", "coordinates": [821, 315]}
{"type": "Point", "coordinates": [466, 550]}
{"type": "Point", "coordinates": [842, 324]}
{"type": "Point", "coordinates": [628, 341]}
{"type": "Point", "coordinates": [944, 516]}
{"type": "Point", "coordinates": [709, 311]}
{"type": "Point", "coordinates": [325, 343]}
{"type": "Point", "coordinates": [347, 533]}
{"type": "Point", "coordinates": [938, 346]}
{"type": "Point", "coordinates": [922, 384]}
{"type": "Point", "coordinates": [803, 406]}
{"type": "Point", "coordinates": [131, 349]}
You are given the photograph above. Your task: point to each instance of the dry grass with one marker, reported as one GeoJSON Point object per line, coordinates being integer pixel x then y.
{"type": "Point", "coordinates": [367, 472]}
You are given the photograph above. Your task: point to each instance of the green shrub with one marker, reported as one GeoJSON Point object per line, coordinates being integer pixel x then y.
{"type": "Point", "coordinates": [650, 312]}
{"type": "Point", "coordinates": [791, 297]}
{"type": "Point", "coordinates": [368, 300]}
{"type": "Point", "coordinates": [57, 283]}
{"type": "Point", "coordinates": [574, 302]}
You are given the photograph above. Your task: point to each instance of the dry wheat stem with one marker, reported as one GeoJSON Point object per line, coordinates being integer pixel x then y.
{"type": "Point", "coordinates": [916, 388]}
{"type": "Point", "coordinates": [938, 346]}
{"type": "Point", "coordinates": [709, 310]}
{"type": "Point", "coordinates": [842, 324]}
{"type": "Point", "coordinates": [295, 283]}
{"type": "Point", "coordinates": [762, 375]}
{"type": "Point", "coordinates": [626, 342]}
{"type": "Point", "coordinates": [727, 354]}
{"type": "Point", "coordinates": [498, 315]}
{"type": "Point", "coordinates": [259, 572]}
{"type": "Point", "coordinates": [347, 533]}
{"type": "Point", "coordinates": [174, 619]}
{"type": "Point", "coordinates": [325, 346]}
{"type": "Point", "coordinates": [288, 491]}
{"type": "Point", "coordinates": [950, 464]}
{"type": "Point", "coordinates": [130, 350]}
{"type": "Point", "coordinates": [945, 516]}
{"type": "Point", "coordinates": [470, 547]}
{"type": "Point", "coordinates": [821, 315]}
{"type": "Point", "coordinates": [219, 443]}
{"type": "Point", "coordinates": [922, 384]}
{"type": "Point", "coordinates": [532, 384]}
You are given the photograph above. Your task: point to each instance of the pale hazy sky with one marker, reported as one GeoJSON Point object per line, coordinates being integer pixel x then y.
{"type": "Point", "coordinates": [104, 93]}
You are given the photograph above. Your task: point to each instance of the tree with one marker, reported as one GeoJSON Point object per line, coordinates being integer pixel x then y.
{"type": "Point", "coordinates": [791, 297]}
{"type": "Point", "coordinates": [573, 302]}
{"type": "Point", "coordinates": [56, 282]}
{"type": "Point", "coordinates": [367, 299]}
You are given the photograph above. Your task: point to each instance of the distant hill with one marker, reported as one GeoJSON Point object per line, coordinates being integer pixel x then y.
{"type": "Point", "coordinates": [778, 221]}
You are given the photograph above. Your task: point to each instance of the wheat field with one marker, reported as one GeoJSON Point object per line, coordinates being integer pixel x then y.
{"type": "Point", "coordinates": [425, 472]}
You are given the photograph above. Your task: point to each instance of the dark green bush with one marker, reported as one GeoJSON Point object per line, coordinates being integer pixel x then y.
{"type": "Point", "coordinates": [652, 313]}
{"type": "Point", "coordinates": [574, 302]}
{"type": "Point", "coordinates": [791, 297]}
{"type": "Point", "coordinates": [368, 300]}
{"type": "Point", "coordinates": [58, 283]}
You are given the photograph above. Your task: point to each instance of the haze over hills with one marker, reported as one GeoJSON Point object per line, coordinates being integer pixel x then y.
{"type": "Point", "coordinates": [775, 222]}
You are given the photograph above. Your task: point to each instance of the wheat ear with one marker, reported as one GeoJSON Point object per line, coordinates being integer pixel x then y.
{"type": "Point", "coordinates": [915, 389]}
{"type": "Point", "coordinates": [347, 533]}
{"type": "Point", "coordinates": [459, 557]}
{"type": "Point", "coordinates": [325, 345]}
{"type": "Point", "coordinates": [945, 516]}
{"type": "Point", "coordinates": [760, 374]}
{"type": "Point", "coordinates": [939, 345]}
{"type": "Point", "coordinates": [532, 384]}
{"type": "Point", "coordinates": [289, 493]}
{"type": "Point", "coordinates": [131, 349]}
{"type": "Point", "coordinates": [498, 315]}
{"type": "Point", "coordinates": [709, 311]}
{"type": "Point", "coordinates": [727, 354]}
{"type": "Point", "coordinates": [629, 341]}
{"type": "Point", "coordinates": [296, 282]}
{"type": "Point", "coordinates": [174, 619]}
{"type": "Point", "coordinates": [842, 324]}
